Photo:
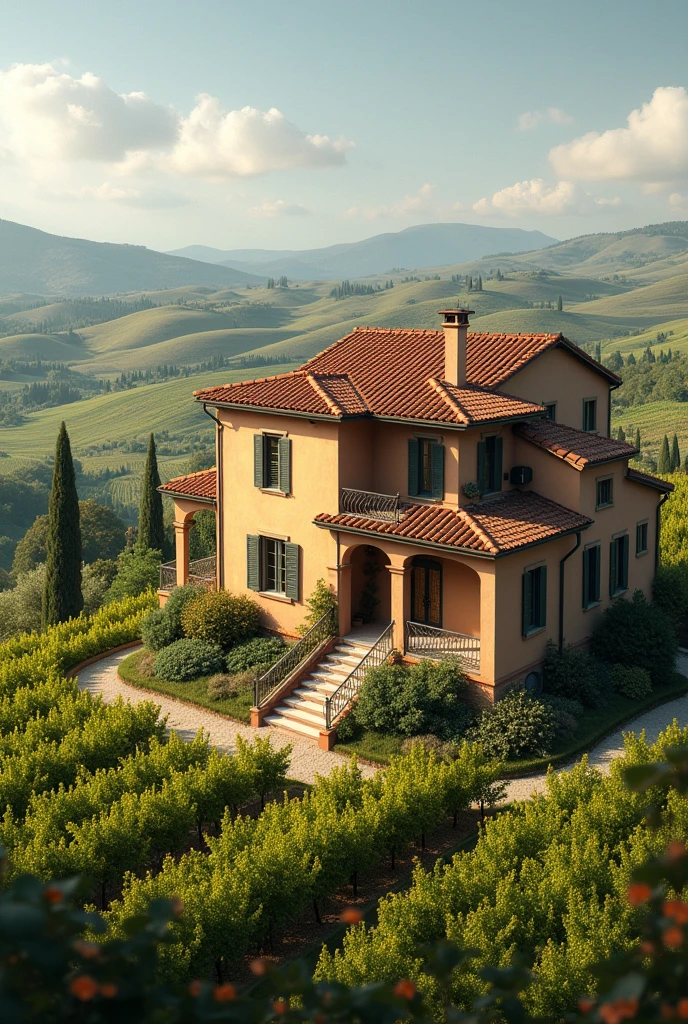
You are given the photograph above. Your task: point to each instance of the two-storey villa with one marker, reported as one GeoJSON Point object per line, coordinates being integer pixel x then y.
{"type": "Point", "coordinates": [459, 489]}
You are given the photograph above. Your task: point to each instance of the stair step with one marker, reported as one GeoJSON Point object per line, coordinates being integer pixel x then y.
{"type": "Point", "coordinates": [301, 714]}
{"type": "Point", "coordinates": [291, 725]}
{"type": "Point", "coordinates": [328, 680]}
{"type": "Point", "coordinates": [310, 693]}
{"type": "Point", "coordinates": [300, 703]}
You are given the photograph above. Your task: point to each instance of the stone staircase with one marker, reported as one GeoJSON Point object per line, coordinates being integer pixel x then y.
{"type": "Point", "coordinates": [303, 711]}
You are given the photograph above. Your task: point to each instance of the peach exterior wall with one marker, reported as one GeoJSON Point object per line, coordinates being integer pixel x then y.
{"type": "Point", "coordinates": [557, 376]}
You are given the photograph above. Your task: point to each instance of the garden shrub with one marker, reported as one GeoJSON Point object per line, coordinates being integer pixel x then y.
{"type": "Point", "coordinates": [146, 664]}
{"type": "Point", "coordinates": [321, 600]}
{"type": "Point", "coordinates": [261, 652]}
{"type": "Point", "coordinates": [443, 750]}
{"type": "Point", "coordinates": [187, 659]}
{"type": "Point", "coordinates": [632, 682]}
{"type": "Point", "coordinates": [222, 686]}
{"type": "Point", "coordinates": [348, 727]}
{"type": "Point", "coordinates": [157, 630]}
{"type": "Point", "coordinates": [573, 674]}
{"type": "Point", "coordinates": [670, 591]}
{"type": "Point", "coordinates": [567, 713]}
{"type": "Point", "coordinates": [637, 634]}
{"type": "Point", "coordinates": [221, 618]}
{"type": "Point", "coordinates": [177, 602]}
{"type": "Point", "coordinates": [426, 698]}
{"type": "Point", "coordinates": [517, 725]}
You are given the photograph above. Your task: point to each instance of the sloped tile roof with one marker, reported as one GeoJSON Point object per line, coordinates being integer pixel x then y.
{"type": "Point", "coordinates": [201, 485]}
{"type": "Point", "coordinates": [639, 477]}
{"type": "Point", "coordinates": [398, 373]}
{"type": "Point", "coordinates": [498, 526]}
{"type": "Point", "coordinates": [578, 447]}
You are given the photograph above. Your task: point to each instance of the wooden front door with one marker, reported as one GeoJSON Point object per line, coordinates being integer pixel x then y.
{"type": "Point", "coordinates": [426, 592]}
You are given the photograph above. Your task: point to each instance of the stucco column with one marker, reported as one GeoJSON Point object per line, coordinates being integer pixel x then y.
{"type": "Point", "coordinates": [344, 598]}
{"type": "Point", "coordinates": [488, 625]}
{"type": "Point", "coordinates": [399, 584]}
{"type": "Point", "coordinates": [181, 549]}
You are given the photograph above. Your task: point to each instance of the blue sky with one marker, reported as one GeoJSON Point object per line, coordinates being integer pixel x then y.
{"type": "Point", "coordinates": [290, 125]}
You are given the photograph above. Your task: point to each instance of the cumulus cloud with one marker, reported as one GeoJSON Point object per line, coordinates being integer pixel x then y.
{"type": "Point", "coordinates": [278, 208]}
{"type": "Point", "coordinates": [652, 148]}
{"type": "Point", "coordinates": [539, 197]}
{"type": "Point", "coordinates": [530, 119]}
{"type": "Point", "coordinates": [408, 205]}
{"type": "Point", "coordinates": [50, 113]}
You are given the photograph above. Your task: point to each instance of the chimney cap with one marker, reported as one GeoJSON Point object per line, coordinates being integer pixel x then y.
{"type": "Point", "coordinates": [458, 315]}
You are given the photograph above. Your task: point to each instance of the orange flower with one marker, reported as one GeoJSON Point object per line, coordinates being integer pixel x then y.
{"type": "Point", "coordinates": [195, 988]}
{"type": "Point", "coordinates": [52, 894]}
{"type": "Point", "coordinates": [682, 1009]}
{"type": "Point", "coordinates": [88, 950]}
{"type": "Point", "coordinates": [258, 967]}
{"type": "Point", "coordinates": [280, 1007]}
{"type": "Point", "coordinates": [224, 993]}
{"type": "Point", "coordinates": [83, 987]}
{"type": "Point", "coordinates": [677, 910]}
{"type": "Point", "coordinates": [585, 1004]}
{"type": "Point", "coordinates": [638, 893]}
{"type": "Point", "coordinates": [405, 988]}
{"type": "Point", "coordinates": [108, 990]}
{"type": "Point", "coordinates": [673, 937]}
{"type": "Point", "coordinates": [676, 849]}
{"type": "Point", "coordinates": [620, 1009]}
{"type": "Point", "coordinates": [351, 915]}
{"type": "Point", "coordinates": [647, 948]}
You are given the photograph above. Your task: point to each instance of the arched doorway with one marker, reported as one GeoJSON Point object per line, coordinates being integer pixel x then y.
{"type": "Point", "coordinates": [370, 585]}
{"type": "Point", "coordinates": [426, 591]}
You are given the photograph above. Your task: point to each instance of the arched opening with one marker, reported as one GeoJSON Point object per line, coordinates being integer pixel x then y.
{"type": "Point", "coordinates": [444, 611]}
{"type": "Point", "coordinates": [370, 585]}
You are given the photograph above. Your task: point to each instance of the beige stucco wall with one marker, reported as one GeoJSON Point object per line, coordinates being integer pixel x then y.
{"type": "Point", "coordinates": [557, 376]}
{"type": "Point", "coordinates": [552, 477]}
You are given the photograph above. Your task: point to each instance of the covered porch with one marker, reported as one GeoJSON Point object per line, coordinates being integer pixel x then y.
{"type": "Point", "coordinates": [193, 493]}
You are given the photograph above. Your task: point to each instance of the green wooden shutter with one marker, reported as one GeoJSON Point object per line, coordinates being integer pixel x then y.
{"type": "Point", "coordinates": [527, 592]}
{"type": "Point", "coordinates": [253, 562]}
{"type": "Point", "coordinates": [291, 555]}
{"type": "Point", "coordinates": [624, 562]}
{"type": "Point", "coordinates": [437, 470]}
{"type": "Point", "coordinates": [499, 447]}
{"type": "Point", "coordinates": [598, 572]}
{"type": "Point", "coordinates": [542, 574]}
{"type": "Point", "coordinates": [482, 466]}
{"type": "Point", "coordinates": [258, 473]}
{"type": "Point", "coordinates": [612, 568]}
{"type": "Point", "coordinates": [586, 576]}
{"type": "Point", "coordinates": [284, 464]}
{"type": "Point", "coordinates": [413, 466]}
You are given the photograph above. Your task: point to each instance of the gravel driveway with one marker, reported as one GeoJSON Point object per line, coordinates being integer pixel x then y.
{"type": "Point", "coordinates": [307, 760]}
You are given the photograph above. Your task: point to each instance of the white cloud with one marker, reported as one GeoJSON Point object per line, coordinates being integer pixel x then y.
{"type": "Point", "coordinates": [652, 148]}
{"type": "Point", "coordinates": [118, 194]}
{"type": "Point", "coordinates": [678, 203]}
{"type": "Point", "coordinates": [408, 205]}
{"type": "Point", "coordinates": [532, 118]}
{"type": "Point", "coordinates": [48, 113]}
{"type": "Point", "coordinates": [538, 197]}
{"type": "Point", "coordinates": [278, 208]}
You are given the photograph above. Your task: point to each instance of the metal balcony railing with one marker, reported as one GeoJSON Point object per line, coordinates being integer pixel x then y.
{"type": "Point", "coordinates": [370, 504]}
{"type": "Point", "coordinates": [202, 573]}
{"type": "Point", "coordinates": [429, 642]}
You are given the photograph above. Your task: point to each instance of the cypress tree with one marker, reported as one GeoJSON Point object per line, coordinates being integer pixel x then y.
{"type": "Point", "coordinates": [62, 597]}
{"type": "Point", "coordinates": [675, 455]}
{"type": "Point", "coordinates": [560, 303]}
{"type": "Point", "coordinates": [621, 434]}
{"type": "Point", "coordinates": [664, 460]}
{"type": "Point", "coordinates": [151, 528]}
{"type": "Point", "coordinates": [637, 437]}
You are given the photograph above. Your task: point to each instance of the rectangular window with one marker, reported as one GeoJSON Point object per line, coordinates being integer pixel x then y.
{"type": "Point", "coordinates": [534, 599]}
{"type": "Point", "coordinates": [551, 408]}
{"type": "Point", "coordinates": [272, 462]}
{"type": "Point", "coordinates": [591, 576]}
{"type": "Point", "coordinates": [605, 492]}
{"type": "Point", "coordinates": [490, 465]}
{"type": "Point", "coordinates": [589, 414]}
{"type": "Point", "coordinates": [425, 468]}
{"type": "Point", "coordinates": [618, 565]}
{"type": "Point", "coordinates": [272, 566]}
{"type": "Point", "coordinates": [641, 539]}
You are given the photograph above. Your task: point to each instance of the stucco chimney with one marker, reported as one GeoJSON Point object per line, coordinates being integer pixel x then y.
{"type": "Point", "coordinates": [455, 326]}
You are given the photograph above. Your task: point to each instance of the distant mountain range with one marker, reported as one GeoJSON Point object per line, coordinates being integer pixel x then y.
{"type": "Point", "coordinates": [427, 245]}
{"type": "Point", "coordinates": [35, 261]}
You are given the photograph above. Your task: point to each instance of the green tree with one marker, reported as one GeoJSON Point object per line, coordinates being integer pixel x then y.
{"type": "Point", "coordinates": [621, 434]}
{"type": "Point", "coordinates": [560, 303]}
{"type": "Point", "coordinates": [637, 437]}
{"type": "Point", "coordinates": [664, 460]}
{"type": "Point", "coordinates": [102, 537]}
{"type": "Point", "coordinates": [138, 570]}
{"type": "Point", "coordinates": [675, 455]}
{"type": "Point", "coordinates": [151, 528]}
{"type": "Point", "coordinates": [62, 597]}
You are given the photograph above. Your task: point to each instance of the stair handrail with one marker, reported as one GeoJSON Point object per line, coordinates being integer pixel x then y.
{"type": "Point", "coordinates": [338, 701]}
{"type": "Point", "coordinates": [322, 631]}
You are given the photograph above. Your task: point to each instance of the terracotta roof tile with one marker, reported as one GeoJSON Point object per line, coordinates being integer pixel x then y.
{"type": "Point", "coordinates": [578, 447]}
{"type": "Point", "coordinates": [497, 526]}
{"type": "Point", "coordinates": [398, 373]}
{"type": "Point", "coordinates": [201, 485]}
{"type": "Point", "coordinates": [639, 477]}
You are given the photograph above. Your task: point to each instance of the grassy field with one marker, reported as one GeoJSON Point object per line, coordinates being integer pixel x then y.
{"type": "Point", "coordinates": [655, 419]}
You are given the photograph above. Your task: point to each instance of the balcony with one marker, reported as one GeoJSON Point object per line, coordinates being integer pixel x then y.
{"type": "Point", "coordinates": [428, 642]}
{"type": "Point", "coordinates": [370, 505]}
{"type": "Point", "coordinates": [202, 573]}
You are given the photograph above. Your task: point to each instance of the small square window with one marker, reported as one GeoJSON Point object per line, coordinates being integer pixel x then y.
{"type": "Point", "coordinates": [590, 414]}
{"type": "Point", "coordinates": [605, 492]}
{"type": "Point", "coordinates": [551, 408]}
{"type": "Point", "coordinates": [641, 539]}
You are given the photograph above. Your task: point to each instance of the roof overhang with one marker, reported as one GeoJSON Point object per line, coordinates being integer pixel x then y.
{"type": "Point", "coordinates": [645, 480]}
{"type": "Point", "coordinates": [196, 499]}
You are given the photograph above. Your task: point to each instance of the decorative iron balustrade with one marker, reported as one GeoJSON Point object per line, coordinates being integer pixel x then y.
{"type": "Point", "coordinates": [429, 642]}
{"type": "Point", "coordinates": [202, 573]}
{"type": "Point", "coordinates": [324, 629]}
{"type": "Point", "coordinates": [346, 691]}
{"type": "Point", "coordinates": [370, 504]}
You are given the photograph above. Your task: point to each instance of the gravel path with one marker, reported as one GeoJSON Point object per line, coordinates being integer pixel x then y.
{"type": "Point", "coordinates": [307, 760]}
